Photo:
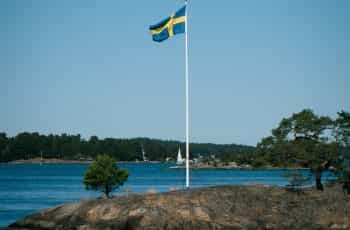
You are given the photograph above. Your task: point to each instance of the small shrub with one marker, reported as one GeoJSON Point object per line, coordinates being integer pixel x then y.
{"type": "Point", "coordinates": [103, 175]}
{"type": "Point", "coordinates": [343, 174]}
{"type": "Point", "coordinates": [297, 181]}
{"type": "Point", "coordinates": [259, 162]}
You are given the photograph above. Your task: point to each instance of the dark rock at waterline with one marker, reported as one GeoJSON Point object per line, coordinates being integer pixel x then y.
{"type": "Point", "coordinates": [224, 207]}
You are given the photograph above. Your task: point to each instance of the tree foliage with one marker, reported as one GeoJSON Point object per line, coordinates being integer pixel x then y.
{"type": "Point", "coordinates": [342, 135]}
{"type": "Point", "coordinates": [104, 175]}
{"type": "Point", "coordinates": [302, 139]}
{"type": "Point", "coordinates": [342, 129]}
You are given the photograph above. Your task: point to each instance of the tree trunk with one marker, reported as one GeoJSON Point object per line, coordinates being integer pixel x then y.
{"type": "Point", "coordinates": [107, 190]}
{"type": "Point", "coordinates": [318, 176]}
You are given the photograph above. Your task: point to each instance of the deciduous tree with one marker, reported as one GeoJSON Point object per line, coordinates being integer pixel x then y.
{"type": "Point", "coordinates": [303, 139]}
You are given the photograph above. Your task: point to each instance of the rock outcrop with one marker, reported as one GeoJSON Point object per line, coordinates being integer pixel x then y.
{"type": "Point", "coordinates": [224, 207]}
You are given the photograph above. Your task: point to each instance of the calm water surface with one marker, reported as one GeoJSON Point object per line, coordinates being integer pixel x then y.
{"type": "Point", "coordinates": [27, 188]}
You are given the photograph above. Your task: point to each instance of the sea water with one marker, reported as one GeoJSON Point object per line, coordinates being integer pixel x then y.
{"type": "Point", "coordinates": [28, 188]}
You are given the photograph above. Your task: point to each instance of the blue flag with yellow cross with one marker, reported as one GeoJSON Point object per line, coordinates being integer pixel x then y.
{"type": "Point", "coordinates": [175, 24]}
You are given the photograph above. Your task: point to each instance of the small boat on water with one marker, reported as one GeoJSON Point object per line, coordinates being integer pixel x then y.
{"type": "Point", "coordinates": [144, 158]}
{"type": "Point", "coordinates": [180, 160]}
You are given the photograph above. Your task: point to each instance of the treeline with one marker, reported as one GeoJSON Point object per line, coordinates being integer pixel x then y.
{"type": "Point", "coordinates": [31, 145]}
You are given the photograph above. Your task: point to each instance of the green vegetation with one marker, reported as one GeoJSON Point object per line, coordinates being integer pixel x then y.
{"type": "Point", "coordinates": [343, 173]}
{"type": "Point", "coordinates": [342, 134]}
{"type": "Point", "coordinates": [73, 147]}
{"type": "Point", "coordinates": [307, 140]}
{"type": "Point", "coordinates": [104, 175]}
{"type": "Point", "coordinates": [303, 140]}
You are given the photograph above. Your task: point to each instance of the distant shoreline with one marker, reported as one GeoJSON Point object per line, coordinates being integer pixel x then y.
{"type": "Point", "coordinates": [236, 168]}
{"type": "Point", "coordinates": [178, 167]}
{"type": "Point", "coordinates": [48, 161]}
{"type": "Point", "coordinates": [62, 161]}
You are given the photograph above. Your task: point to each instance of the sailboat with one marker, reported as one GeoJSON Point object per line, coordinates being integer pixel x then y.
{"type": "Point", "coordinates": [179, 157]}
{"type": "Point", "coordinates": [144, 158]}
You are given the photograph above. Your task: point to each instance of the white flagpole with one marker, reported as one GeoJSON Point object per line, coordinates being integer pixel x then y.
{"type": "Point", "coordinates": [187, 107]}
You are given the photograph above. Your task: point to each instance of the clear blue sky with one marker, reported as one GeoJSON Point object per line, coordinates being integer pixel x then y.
{"type": "Point", "coordinates": [90, 67]}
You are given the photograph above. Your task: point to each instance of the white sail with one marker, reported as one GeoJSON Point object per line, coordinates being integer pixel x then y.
{"type": "Point", "coordinates": [144, 158]}
{"type": "Point", "coordinates": [179, 157]}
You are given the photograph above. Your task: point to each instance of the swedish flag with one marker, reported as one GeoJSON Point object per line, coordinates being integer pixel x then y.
{"type": "Point", "coordinates": [175, 24]}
